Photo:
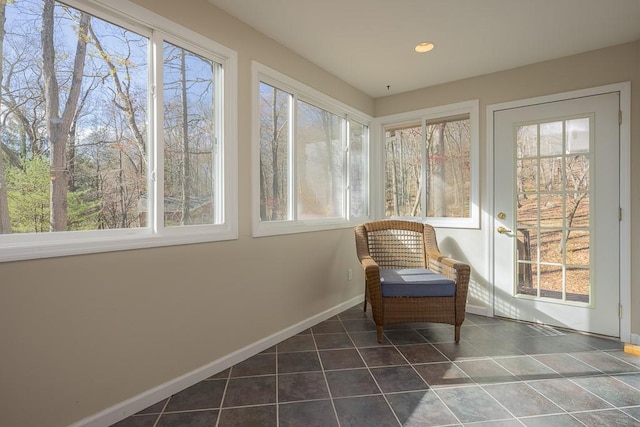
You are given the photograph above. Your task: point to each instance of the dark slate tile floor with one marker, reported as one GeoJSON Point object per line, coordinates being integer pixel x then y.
{"type": "Point", "coordinates": [502, 373]}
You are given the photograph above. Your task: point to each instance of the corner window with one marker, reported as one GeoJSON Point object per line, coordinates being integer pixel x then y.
{"type": "Point", "coordinates": [113, 134]}
{"type": "Point", "coordinates": [430, 166]}
{"type": "Point", "coordinates": [312, 158]}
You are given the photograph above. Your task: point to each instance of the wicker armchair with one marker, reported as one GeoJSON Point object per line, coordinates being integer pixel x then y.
{"type": "Point", "coordinates": [390, 246]}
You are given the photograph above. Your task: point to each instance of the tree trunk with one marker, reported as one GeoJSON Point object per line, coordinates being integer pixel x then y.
{"type": "Point", "coordinates": [5, 222]}
{"type": "Point", "coordinates": [58, 126]}
{"type": "Point", "coordinates": [439, 194]}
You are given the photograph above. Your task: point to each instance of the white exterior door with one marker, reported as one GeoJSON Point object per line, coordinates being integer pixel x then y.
{"type": "Point", "coordinates": [556, 205]}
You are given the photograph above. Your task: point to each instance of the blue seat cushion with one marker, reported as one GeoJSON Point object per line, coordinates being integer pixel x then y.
{"type": "Point", "coordinates": [415, 282]}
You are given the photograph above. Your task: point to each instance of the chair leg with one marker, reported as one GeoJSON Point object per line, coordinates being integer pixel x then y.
{"type": "Point", "coordinates": [365, 304]}
{"type": "Point", "coordinates": [379, 330]}
{"type": "Point", "coordinates": [457, 333]}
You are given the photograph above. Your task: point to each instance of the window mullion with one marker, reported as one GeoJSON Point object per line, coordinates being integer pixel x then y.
{"type": "Point", "coordinates": [425, 161]}
{"type": "Point", "coordinates": [346, 167]}
{"type": "Point", "coordinates": [292, 200]}
{"type": "Point", "coordinates": [156, 134]}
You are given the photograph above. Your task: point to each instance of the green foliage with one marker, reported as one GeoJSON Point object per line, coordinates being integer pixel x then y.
{"type": "Point", "coordinates": [28, 194]}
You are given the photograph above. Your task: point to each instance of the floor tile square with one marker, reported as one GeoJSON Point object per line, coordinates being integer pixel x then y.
{"type": "Point", "coordinates": [611, 390]}
{"type": "Point", "coordinates": [328, 327]}
{"type": "Point", "coordinates": [138, 421]}
{"type": "Point", "coordinates": [485, 371]}
{"type": "Point", "coordinates": [445, 374]}
{"type": "Point", "coordinates": [562, 420]}
{"type": "Point", "coordinates": [250, 391]}
{"type": "Point", "coordinates": [408, 336]}
{"type": "Point", "coordinates": [368, 339]}
{"type": "Point", "coordinates": [297, 343]}
{"type": "Point", "coordinates": [526, 368]}
{"type": "Point", "coordinates": [382, 356]}
{"type": "Point", "coordinates": [612, 417]}
{"type": "Point", "coordinates": [365, 412]}
{"type": "Point", "coordinates": [421, 353]}
{"type": "Point", "coordinates": [359, 325]}
{"type": "Point", "coordinates": [472, 404]}
{"type": "Point", "coordinates": [440, 334]}
{"type": "Point", "coordinates": [260, 364]}
{"type": "Point", "coordinates": [306, 386]}
{"type": "Point", "coordinates": [605, 362]}
{"type": "Point", "coordinates": [263, 416]}
{"type": "Point", "coordinates": [332, 341]}
{"type": "Point", "coordinates": [318, 413]}
{"type": "Point", "coordinates": [568, 395]}
{"type": "Point", "coordinates": [192, 419]}
{"type": "Point", "coordinates": [304, 361]}
{"type": "Point", "coordinates": [203, 395]}
{"type": "Point", "coordinates": [341, 359]}
{"type": "Point", "coordinates": [522, 400]}
{"type": "Point", "coordinates": [459, 351]}
{"type": "Point", "coordinates": [352, 382]}
{"type": "Point", "coordinates": [566, 365]}
{"type": "Point", "coordinates": [398, 378]}
{"type": "Point", "coordinates": [420, 408]}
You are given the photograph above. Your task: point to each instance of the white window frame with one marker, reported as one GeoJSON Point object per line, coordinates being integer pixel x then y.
{"type": "Point", "coordinates": [158, 29]}
{"type": "Point", "coordinates": [302, 92]}
{"type": "Point", "coordinates": [472, 108]}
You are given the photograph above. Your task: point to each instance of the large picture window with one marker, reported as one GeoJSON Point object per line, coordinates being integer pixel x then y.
{"type": "Point", "coordinates": [90, 150]}
{"type": "Point", "coordinates": [430, 165]}
{"type": "Point", "coordinates": [313, 158]}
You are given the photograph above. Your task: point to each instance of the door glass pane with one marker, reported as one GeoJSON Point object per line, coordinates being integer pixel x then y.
{"type": "Point", "coordinates": [551, 176]}
{"type": "Point", "coordinates": [577, 209]}
{"type": "Point", "coordinates": [551, 281]}
{"type": "Point", "coordinates": [578, 136]}
{"type": "Point", "coordinates": [552, 215]}
{"type": "Point", "coordinates": [550, 138]}
{"type": "Point", "coordinates": [527, 141]}
{"type": "Point", "coordinates": [577, 247]}
{"type": "Point", "coordinates": [578, 284]}
{"type": "Point", "coordinates": [551, 247]}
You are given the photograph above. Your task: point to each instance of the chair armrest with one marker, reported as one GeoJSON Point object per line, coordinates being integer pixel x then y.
{"type": "Point", "coordinates": [373, 287]}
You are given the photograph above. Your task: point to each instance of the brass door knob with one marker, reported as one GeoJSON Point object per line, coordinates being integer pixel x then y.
{"type": "Point", "coordinates": [503, 230]}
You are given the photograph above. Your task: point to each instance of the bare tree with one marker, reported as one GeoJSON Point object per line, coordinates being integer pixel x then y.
{"type": "Point", "coordinates": [58, 125]}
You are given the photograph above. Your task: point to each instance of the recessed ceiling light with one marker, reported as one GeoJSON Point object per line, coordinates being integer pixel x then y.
{"type": "Point", "coordinates": [424, 47]}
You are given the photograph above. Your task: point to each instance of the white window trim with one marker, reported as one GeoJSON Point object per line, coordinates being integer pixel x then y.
{"type": "Point", "coordinates": [260, 72]}
{"type": "Point", "coordinates": [472, 108]}
{"type": "Point", "coordinates": [43, 245]}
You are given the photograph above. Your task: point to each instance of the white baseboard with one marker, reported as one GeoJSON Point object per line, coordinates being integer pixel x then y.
{"type": "Point", "coordinates": [477, 309]}
{"type": "Point", "coordinates": [137, 403]}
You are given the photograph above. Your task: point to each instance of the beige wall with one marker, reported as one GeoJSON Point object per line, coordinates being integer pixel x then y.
{"type": "Point", "coordinates": [82, 333]}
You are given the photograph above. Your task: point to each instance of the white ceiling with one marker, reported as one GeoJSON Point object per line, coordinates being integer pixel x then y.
{"type": "Point", "coordinates": [369, 43]}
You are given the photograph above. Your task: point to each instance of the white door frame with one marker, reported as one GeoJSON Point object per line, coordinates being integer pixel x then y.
{"type": "Point", "coordinates": [488, 214]}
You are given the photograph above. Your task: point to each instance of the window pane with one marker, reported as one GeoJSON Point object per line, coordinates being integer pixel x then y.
{"type": "Point", "coordinates": [449, 169]}
{"type": "Point", "coordinates": [274, 153]}
{"type": "Point", "coordinates": [190, 149]}
{"type": "Point", "coordinates": [319, 162]}
{"type": "Point", "coordinates": [403, 170]}
{"type": "Point", "coordinates": [78, 158]}
{"type": "Point", "coordinates": [357, 141]}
